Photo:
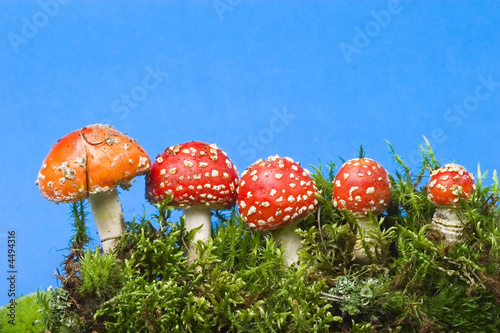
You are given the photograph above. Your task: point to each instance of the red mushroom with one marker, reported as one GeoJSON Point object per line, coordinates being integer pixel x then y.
{"type": "Point", "coordinates": [90, 163]}
{"type": "Point", "coordinates": [277, 193]}
{"type": "Point", "coordinates": [363, 187]}
{"type": "Point", "coordinates": [446, 186]}
{"type": "Point", "coordinates": [198, 177]}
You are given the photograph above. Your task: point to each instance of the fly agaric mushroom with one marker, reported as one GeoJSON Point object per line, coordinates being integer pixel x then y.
{"type": "Point", "coordinates": [90, 163]}
{"type": "Point", "coordinates": [277, 193]}
{"type": "Point", "coordinates": [198, 177]}
{"type": "Point", "coordinates": [446, 186]}
{"type": "Point", "coordinates": [362, 186]}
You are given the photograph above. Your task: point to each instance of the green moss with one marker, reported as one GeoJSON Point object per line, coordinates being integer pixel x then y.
{"type": "Point", "coordinates": [27, 317]}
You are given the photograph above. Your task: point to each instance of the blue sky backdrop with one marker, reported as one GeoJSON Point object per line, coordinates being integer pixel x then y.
{"type": "Point", "coordinates": [307, 79]}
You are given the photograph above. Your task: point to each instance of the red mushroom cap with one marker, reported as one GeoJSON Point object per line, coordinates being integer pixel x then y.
{"type": "Point", "coordinates": [361, 186]}
{"type": "Point", "coordinates": [275, 192]}
{"type": "Point", "coordinates": [108, 157]}
{"type": "Point", "coordinates": [194, 174]}
{"type": "Point", "coordinates": [448, 184]}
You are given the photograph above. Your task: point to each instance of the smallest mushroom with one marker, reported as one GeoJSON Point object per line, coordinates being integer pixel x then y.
{"type": "Point", "coordinates": [362, 186]}
{"type": "Point", "coordinates": [446, 186]}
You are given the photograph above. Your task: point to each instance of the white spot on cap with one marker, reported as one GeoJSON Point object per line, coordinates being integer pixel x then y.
{"type": "Point", "coordinates": [291, 198]}
{"type": "Point", "coordinates": [292, 185]}
{"type": "Point", "coordinates": [173, 171]}
{"type": "Point", "coordinates": [252, 210]}
{"type": "Point", "coordinates": [143, 161]}
{"type": "Point", "coordinates": [337, 183]}
{"type": "Point", "coordinates": [273, 192]}
{"type": "Point", "coordinates": [225, 175]}
{"type": "Point", "coordinates": [243, 204]}
{"type": "Point", "coordinates": [265, 204]}
{"type": "Point", "coordinates": [370, 190]}
{"type": "Point", "coordinates": [352, 189]}
{"type": "Point", "coordinates": [229, 164]}
{"type": "Point", "coordinates": [159, 159]}
{"type": "Point", "coordinates": [280, 199]}
{"type": "Point", "coordinates": [249, 194]}
{"type": "Point", "coordinates": [441, 187]}
{"type": "Point", "coordinates": [255, 178]}
{"type": "Point", "coordinates": [278, 175]}
{"type": "Point", "coordinates": [203, 164]}
{"type": "Point", "coordinates": [215, 173]}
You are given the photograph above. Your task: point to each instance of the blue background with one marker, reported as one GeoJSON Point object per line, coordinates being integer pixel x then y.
{"type": "Point", "coordinates": [307, 79]}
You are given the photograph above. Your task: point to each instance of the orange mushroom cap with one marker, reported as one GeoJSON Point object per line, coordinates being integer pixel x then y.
{"type": "Point", "coordinates": [93, 159]}
{"type": "Point", "coordinates": [362, 186]}
{"type": "Point", "coordinates": [448, 184]}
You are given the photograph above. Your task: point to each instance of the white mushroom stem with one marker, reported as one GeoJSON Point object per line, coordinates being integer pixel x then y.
{"type": "Point", "coordinates": [447, 223]}
{"type": "Point", "coordinates": [196, 217]}
{"type": "Point", "coordinates": [291, 243]}
{"type": "Point", "coordinates": [108, 216]}
{"type": "Point", "coordinates": [365, 228]}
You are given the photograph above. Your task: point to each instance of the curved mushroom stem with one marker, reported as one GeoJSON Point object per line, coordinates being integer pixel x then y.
{"type": "Point", "coordinates": [196, 217]}
{"type": "Point", "coordinates": [365, 227]}
{"type": "Point", "coordinates": [291, 243]}
{"type": "Point", "coordinates": [108, 216]}
{"type": "Point", "coordinates": [447, 225]}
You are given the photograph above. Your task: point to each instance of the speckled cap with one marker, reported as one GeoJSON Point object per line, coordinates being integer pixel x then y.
{"type": "Point", "coordinates": [96, 158]}
{"type": "Point", "coordinates": [194, 174]}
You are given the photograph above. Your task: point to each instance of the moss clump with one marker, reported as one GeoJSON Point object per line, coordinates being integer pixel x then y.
{"type": "Point", "coordinates": [27, 318]}
{"type": "Point", "coordinates": [241, 283]}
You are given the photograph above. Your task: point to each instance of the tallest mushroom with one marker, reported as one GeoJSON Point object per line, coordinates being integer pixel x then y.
{"type": "Point", "coordinates": [90, 163]}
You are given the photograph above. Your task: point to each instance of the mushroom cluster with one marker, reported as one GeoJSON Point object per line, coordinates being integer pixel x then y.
{"type": "Point", "coordinates": [277, 193]}
{"type": "Point", "coordinates": [196, 177]}
{"type": "Point", "coordinates": [273, 194]}
{"type": "Point", "coordinates": [446, 187]}
{"type": "Point", "coordinates": [90, 163]}
{"type": "Point", "coordinates": [363, 187]}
